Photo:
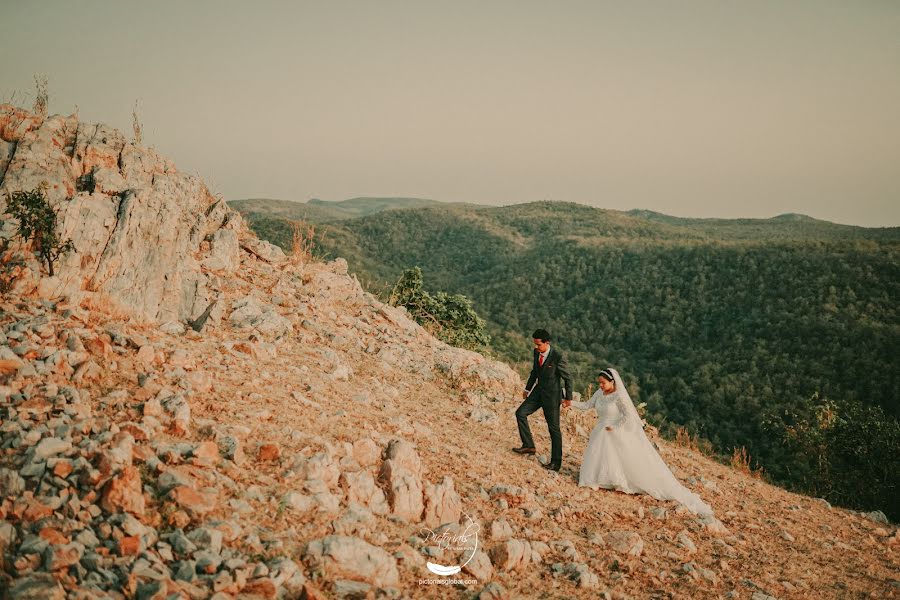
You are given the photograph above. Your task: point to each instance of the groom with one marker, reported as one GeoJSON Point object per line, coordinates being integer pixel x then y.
{"type": "Point", "coordinates": [545, 390]}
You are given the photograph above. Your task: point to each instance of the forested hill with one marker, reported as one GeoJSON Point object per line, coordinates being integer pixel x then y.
{"type": "Point", "coordinates": [779, 335]}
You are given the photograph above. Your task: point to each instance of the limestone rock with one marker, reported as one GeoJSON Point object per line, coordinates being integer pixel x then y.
{"type": "Point", "coordinates": [39, 586]}
{"type": "Point", "coordinates": [108, 181]}
{"type": "Point", "coordinates": [442, 503]}
{"type": "Point", "coordinates": [231, 448]}
{"type": "Point", "coordinates": [124, 493]}
{"type": "Point", "coordinates": [583, 576]}
{"type": "Point", "coordinates": [403, 490]}
{"type": "Point", "coordinates": [351, 590]}
{"type": "Point", "coordinates": [360, 488]}
{"type": "Point", "coordinates": [249, 312]}
{"type": "Point", "coordinates": [513, 495]}
{"type": "Point", "coordinates": [501, 530]}
{"type": "Point", "coordinates": [659, 513]}
{"type": "Point", "coordinates": [319, 467]}
{"type": "Point", "coordinates": [878, 517]}
{"type": "Point", "coordinates": [713, 525]}
{"type": "Point", "coordinates": [51, 446]}
{"type": "Point", "coordinates": [403, 454]}
{"type": "Point", "coordinates": [180, 411]}
{"type": "Point", "coordinates": [134, 220]}
{"type": "Point", "coordinates": [62, 556]}
{"type": "Point", "coordinates": [511, 555]}
{"type": "Point", "coordinates": [224, 251]}
{"type": "Point", "coordinates": [686, 542]}
{"type": "Point", "coordinates": [493, 591]}
{"type": "Point", "coordinates": [195, 502]}
{"type": "Point", "coordinates": [352, 558]}
{"type": "Point", "coordinates": [118, 456]}
{"type": "Point", "coordinates": [480, 566]}
{"type": "Point", "coordinates": [625, 542]}
{"type": "Point", "coordinates": [11, 483]}
{"type": "Point", "coordinates": [269, 453]}
{"type": "Point", "coordinates": [263, 250]}
{"type": "Point", "coordinates": [298, 502]}
{"type": "Point", "coordinates": [366, 452]}
{"type": "Point", "coordinates": [483, 415]}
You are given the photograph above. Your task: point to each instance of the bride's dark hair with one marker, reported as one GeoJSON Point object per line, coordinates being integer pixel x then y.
{"type": "Point", "coordinates": [607, 375]}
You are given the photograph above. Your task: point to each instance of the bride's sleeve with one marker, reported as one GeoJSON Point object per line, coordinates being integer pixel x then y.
{"type": "Point", "coordinates": [623, 413]}
{"type": "Point", "coordinates": [587, 405]}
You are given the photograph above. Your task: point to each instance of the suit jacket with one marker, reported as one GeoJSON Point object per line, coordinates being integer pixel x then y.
{"type": "Point", "coordinates": [554, 382]}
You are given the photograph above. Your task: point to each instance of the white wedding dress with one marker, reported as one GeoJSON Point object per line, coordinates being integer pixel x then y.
{"type": "Point", "coordinates": [624, 459]}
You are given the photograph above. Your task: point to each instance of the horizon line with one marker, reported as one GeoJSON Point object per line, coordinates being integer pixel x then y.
{"type": "Point", "coordinates": [595, 206]}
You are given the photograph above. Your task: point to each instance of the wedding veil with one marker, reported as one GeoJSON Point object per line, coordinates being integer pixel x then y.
{"type": "Point", "coordinates": [633, 420]}
{"type": "Point", "coordinates": [644, 470]}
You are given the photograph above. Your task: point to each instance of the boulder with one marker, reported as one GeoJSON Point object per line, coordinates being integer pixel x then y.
{"type": "Point", "coordinates": [124, 493]}
{"type": "Point", "coordinates": [38, 586]}
{"type": "Point", "coordinates": [224, 254]}
{"type": "Point", "coordinates": [511, 555]}
{"type": "Point", "coordinates": [625, 542]}
{"type": "Point", "coordinates": [351, 558]}
{"type": "Point", "coordinates": [442, 503]}
{"type": "Point", "coordinates": [360, 488]}
{"type": "Point", "coordinates": [403, 490]}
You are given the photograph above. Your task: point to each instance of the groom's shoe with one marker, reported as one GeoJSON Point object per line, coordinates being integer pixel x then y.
{"type": "Point", "coordinates": [552, 467]}
{"type": "Point", "coordinates": [524, 450]}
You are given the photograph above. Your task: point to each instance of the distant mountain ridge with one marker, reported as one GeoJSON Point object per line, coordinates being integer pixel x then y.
{"type": "Point", "coordinates": [325, 211]}
{"type": "Point", "coordinates": [658, 216]}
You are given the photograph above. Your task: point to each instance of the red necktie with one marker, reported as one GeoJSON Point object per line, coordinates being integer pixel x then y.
{"type": "Point", "coordinates": [540, 360]}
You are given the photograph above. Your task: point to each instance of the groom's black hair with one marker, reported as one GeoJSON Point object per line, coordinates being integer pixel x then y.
{"type": "Point", "coordinates": [541, 334]}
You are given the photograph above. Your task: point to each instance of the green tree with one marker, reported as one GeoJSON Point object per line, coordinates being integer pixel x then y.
{"type": "Point", "coordinates": [450, 317]}
{"type": "Point", "coordinates": [846, 452]}
{"type": "Point", "coordinates": [37, 224]}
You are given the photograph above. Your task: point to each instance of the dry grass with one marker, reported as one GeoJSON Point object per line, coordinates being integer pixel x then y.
{"type": "Point", "coordinates": [41, 95]}
{"type": "Point", "coordinates": [589, 392]}
{"type": "Point", "coordinates": [136, 126]}
{"type": "Point", "coordinates": [303, 242]}
{"type": "Point", "coordinates": [741, 462]}
{"type": "Point", "coordinates": [694, 442]}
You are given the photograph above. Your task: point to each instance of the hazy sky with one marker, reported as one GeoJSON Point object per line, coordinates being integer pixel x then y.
{"type": "Point", "coordinates": [719, 108]}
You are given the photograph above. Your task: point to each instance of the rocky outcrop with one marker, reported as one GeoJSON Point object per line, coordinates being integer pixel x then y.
{"type": "Point", "coordinates": [146, 235]}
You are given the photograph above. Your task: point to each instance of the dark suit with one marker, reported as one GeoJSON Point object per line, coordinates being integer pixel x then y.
{"type": "Point", "coordinates": [550, 383]}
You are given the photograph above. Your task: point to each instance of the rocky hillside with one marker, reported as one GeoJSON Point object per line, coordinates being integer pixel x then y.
{"type": "Point", "coordinates": [188, 413]}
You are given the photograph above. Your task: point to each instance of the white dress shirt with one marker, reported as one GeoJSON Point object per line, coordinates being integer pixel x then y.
{"type": "Point", "coordinates": [543, 356]}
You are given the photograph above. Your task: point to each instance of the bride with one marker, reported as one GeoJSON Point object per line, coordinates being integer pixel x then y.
{"type": "Point", "coordinates": [620, 457]}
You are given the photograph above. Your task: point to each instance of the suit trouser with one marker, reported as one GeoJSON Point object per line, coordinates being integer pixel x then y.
{"type": "Point", "coordinates": [551, 414]}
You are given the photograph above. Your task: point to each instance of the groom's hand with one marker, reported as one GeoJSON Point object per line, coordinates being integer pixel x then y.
{"type": "Point", "coordinates": [525, 395]}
